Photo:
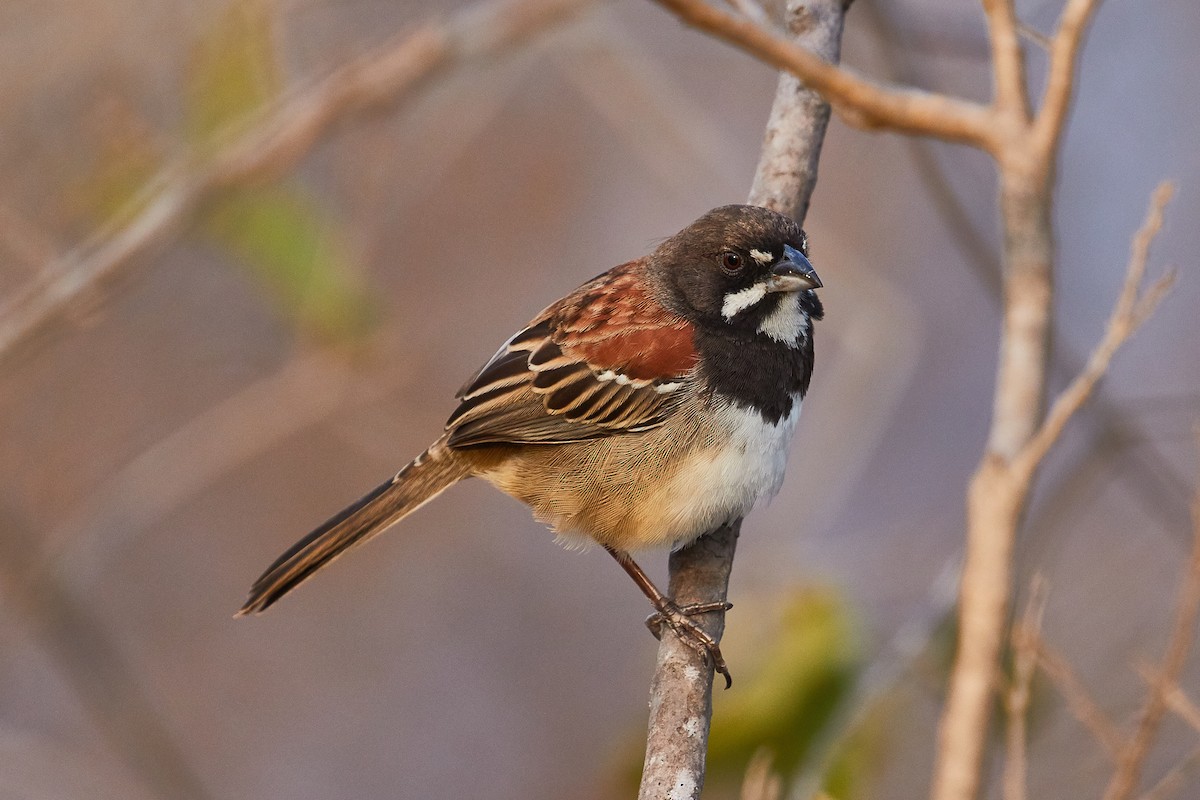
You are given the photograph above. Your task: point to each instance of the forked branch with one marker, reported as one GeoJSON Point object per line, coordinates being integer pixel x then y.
{"type": "Point", "coordinates": [861, 102]}
{"type": "Point", "coordinates": [1133, 307]}
{"type": "Point", "coordinates": [1179, 644]}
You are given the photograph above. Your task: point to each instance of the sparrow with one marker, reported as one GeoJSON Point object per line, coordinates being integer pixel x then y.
{"type": "Point", "coordinates": [652, 404]}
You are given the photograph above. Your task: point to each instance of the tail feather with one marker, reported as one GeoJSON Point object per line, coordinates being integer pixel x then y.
{"type": "Point", "coordinates": [422, 480]}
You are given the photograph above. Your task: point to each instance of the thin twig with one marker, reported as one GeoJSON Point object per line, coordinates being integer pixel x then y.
{"type": "Point", "coordinates": [1131, 310]}
{"type": "Point", "coordinates": [1079, 700]}
{"type": "Point", "coordinates": [1025, 637]}
{"type": "Point", "coordinates": [1008, 63]}
{"type": "Point", "coordinates": [1176, 699]}
{"type": "Point", "coordinates": [1064, 51]}
{"type": "Point", "coordinates": [279, 139]}
{"type": "Point", "coordinates": [1034, 35]}
{"type": "Point", "coordinates": [860, 101]}
{"type": "Point", "coordinates": [750, 9]}
{"type": "Point", "coordinates": [761, 782]}
{"type": "Point", "coordinates": [1179, 643]}
{"type": "Point", "coordinates": [1170, 782]}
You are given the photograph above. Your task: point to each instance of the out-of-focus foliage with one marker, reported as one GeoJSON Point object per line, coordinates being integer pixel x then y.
{"type": "Point", "coordinates": [793, 677]}
{"type": "Point", "coordinates": [232, 72]}
{"type": "Point", "coordinates": [806, 671]}
{"type": "Point", "coordinates": [280, 233]}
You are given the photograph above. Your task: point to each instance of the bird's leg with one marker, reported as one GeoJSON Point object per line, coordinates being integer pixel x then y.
{"type": "Point", "coordinates": [674, 616]}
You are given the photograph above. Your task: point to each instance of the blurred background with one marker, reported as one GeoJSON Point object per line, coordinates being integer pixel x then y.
{"type": "Point", "coordinates": [299, 340]}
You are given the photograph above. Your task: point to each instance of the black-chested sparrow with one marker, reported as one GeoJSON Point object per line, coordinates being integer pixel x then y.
{"type": "Point", "coordinates": [653, 403]}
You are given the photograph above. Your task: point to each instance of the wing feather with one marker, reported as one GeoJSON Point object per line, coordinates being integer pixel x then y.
{"type": "Point", "coordinates": [606, 359]}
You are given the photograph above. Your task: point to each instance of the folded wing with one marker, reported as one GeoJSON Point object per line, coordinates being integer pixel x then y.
{"type": "Point", "coordinates": [606, 359]}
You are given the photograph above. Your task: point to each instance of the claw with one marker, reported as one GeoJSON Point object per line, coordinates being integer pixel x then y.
{"type": "Point", "coordinates": [676, 618]}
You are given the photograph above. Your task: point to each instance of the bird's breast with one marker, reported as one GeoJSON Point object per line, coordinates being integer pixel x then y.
{"type": "Point", "coordinates": [722, 482]}
{"type": "Point", "coordinates": [661, 488]}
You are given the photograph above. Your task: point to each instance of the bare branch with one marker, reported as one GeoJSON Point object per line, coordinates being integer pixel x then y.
{"type": "Point", "coordinates": [1079, 700]}
{"type": "Point", "coordinates": [761, 782]}
{"type": "Point", "coordinates": [1179, 643]}
{"type": "Point", "coordinates": [791, 149]}
{"type": "Point", "coordinates": [1176, 699]}
{"type": "Point", "coordinates": [1008, 64]}
{"type": "Point", "coordinates": [1025, 637]}
{"type": "Point", "coordinates": [681, 691]}
{"type": "Point", "coordinates": [279, 139]}
{"type": "Point", "coordinates": [1064, 50]}
{"type": "Point", "coordinates": [1034, 35]}
{"type": "Point", "coordinates": [1170, 782]}
{"type": "Point", "coordinates": [1128, 314]}
{"type": "Point", "coordinates": [861, 102]}
{"type": "Point", "coordinates": [750, 9]}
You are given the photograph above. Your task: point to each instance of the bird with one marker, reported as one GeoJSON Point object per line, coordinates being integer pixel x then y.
{"type": "Point", "coordinates": [652, 404]}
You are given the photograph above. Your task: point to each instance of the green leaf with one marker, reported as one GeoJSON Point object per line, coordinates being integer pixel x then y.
{"type": "Point", "coordinates": [233, 71]}
{"type": "Point", "coordinates": [293, 252]}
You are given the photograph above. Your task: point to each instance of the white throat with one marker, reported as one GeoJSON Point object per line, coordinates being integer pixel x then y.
{"type": "Point", "coordinates": [788, 323]}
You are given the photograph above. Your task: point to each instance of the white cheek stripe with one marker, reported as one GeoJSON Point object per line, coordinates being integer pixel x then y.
{"type": "Point", "coordinates": [739, 301]}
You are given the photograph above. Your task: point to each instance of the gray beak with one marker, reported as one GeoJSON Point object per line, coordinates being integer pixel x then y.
{"type": "Point", "coordinates": [792, 273]}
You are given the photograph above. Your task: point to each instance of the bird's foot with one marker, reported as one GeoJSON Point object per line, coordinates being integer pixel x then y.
{"type": "Point", "coordinates": [675, 617]}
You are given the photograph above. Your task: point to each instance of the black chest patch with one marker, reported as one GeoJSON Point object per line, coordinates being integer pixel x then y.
{"type": "Point", "coordinates": [754, 370]}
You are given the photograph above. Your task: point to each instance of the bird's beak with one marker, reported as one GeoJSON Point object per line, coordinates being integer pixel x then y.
{"type": "Point", "coordinates": [792, 273]}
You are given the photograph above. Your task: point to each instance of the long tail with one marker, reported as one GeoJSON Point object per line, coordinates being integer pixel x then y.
{"type": "Point", "coordinates": [422, 480]}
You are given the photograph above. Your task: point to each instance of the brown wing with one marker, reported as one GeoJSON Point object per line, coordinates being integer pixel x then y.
{"type": "Point", "coordinates": [606, 359]}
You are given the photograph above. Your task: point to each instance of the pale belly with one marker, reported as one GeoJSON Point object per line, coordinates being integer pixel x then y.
{"type": "Point", "coordinates": [659, 489]}
{"type": "Point", "coordinates": [723, 483]}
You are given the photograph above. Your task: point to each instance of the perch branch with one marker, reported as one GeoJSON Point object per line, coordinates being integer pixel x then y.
{"type": "Point", "coordinates": [681, 691]}
{"type": "Point", "coordinates": [279, 139]}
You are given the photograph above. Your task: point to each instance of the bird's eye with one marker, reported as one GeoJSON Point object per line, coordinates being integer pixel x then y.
{"type": "Point", "coordinates": [732, 262]}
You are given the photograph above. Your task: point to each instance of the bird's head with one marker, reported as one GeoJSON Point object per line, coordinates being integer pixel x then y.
{"type": "Point", "coordinates": [741, 269]}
